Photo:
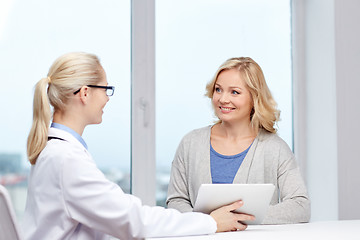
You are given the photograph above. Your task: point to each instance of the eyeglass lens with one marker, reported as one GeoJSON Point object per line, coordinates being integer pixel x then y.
{"type": "Point", "coordinates": [109, 91]}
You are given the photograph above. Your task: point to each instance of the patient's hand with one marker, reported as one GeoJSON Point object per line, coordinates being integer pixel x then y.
{"type": "Point", "coordinates": [227, 220]}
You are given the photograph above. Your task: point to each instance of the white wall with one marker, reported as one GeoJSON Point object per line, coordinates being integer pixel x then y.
{"type": "Point", "coordinates": [347, 38]}
{"type": "Point", "coordinates": [321, 109]}
{"type": "Point", "coordinates": [325, 41]}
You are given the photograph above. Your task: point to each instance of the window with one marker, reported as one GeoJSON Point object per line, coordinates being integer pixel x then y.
{"type": "Point", "coordinates": [193, 38]}
{"type": "Point", "coordinates": [32, 35]}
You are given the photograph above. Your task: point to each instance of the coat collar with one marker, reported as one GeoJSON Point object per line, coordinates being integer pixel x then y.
{"type": "Point", "coordinates": [55, 132]}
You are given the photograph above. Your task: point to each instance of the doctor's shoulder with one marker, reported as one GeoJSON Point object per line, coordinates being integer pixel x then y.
{"type": "Point", "coordinates": [62, 151]}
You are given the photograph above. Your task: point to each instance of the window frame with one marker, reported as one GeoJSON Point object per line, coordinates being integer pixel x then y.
{"type": "Point", "coordinates": [143, 163]}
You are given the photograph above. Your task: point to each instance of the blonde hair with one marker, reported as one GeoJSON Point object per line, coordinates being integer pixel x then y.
{"type": "Point", "coordinates": [264, 113]}
{"type": "Point", "coordinates": [67, 74]}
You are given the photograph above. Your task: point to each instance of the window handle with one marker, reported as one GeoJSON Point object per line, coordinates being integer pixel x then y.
{"type": "Point", "coordinates": [144, 106]}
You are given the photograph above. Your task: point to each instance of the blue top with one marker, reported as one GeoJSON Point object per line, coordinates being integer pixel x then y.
{"type": "Point", "coordinates": [224, 168]}
{"type": "Point", "coordinates": [69, 130]}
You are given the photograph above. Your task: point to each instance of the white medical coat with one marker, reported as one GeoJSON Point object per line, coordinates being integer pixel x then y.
{"type": "Point", "coordinates": [70, 198]}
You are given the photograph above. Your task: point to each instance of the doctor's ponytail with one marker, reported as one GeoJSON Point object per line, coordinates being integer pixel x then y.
{"type": "Point", "coordinates": [41, 119]}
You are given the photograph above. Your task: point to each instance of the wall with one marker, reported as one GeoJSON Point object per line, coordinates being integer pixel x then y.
{"type": "Point", "coordinates": [347, 38]}
{"type": "Point", "coordinates": [326, 70]}
{"type": "Point", "coordinates": [321, 109]}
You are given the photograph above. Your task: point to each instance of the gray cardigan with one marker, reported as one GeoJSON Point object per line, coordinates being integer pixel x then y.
{"type": "Point", "coordinates": [269, 160]}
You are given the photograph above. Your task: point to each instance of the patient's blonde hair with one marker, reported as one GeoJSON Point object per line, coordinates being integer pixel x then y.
{"type": "Point", "coordinates": [67, 74]}
{"type": "Point", "coordinates": [264, 113]}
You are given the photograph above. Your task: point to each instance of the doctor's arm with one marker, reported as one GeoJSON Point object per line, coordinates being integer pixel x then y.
{"type": "Point", "coordinates": [97, 203]}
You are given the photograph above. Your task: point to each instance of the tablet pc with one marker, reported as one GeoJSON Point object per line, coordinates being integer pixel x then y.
{"type": "Point", "coordinates": [256, 198]}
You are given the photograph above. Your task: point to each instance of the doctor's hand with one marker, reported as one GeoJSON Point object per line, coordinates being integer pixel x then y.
{"type": "Point", "coordinates": [228, 220]}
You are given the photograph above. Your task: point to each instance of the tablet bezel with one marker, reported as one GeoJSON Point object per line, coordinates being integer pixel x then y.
{"type": "Point", "coordinates": [256, 198]}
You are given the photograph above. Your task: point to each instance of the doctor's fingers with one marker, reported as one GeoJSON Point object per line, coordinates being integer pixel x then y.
{"type": "Point", "coordinates": [240, 226]}
{"type": "Point", "coordinates": [235, 223]}
{"type": "Point", "coordinates": [233, 206]}
{"type": "Point", "coordinates": [227, 220]}
{"type": "Point", "coordinates": [241, 217]}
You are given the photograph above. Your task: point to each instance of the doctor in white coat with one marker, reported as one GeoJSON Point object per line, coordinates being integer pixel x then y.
{"type": "Point", "coordinates": [68, 196]}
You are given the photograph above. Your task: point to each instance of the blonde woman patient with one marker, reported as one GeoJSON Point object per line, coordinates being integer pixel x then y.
{"type": "Point", "coordinates": [241, 147]}
{"type": "Point", "coordinates": [68, 196]}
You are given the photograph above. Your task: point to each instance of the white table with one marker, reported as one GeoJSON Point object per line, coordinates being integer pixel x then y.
{"type": "Point", "coordinates": [331, 230]}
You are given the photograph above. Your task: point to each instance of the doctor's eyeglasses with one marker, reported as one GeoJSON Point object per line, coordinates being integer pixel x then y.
{"type": "Point", "coordinates": [109, 89]}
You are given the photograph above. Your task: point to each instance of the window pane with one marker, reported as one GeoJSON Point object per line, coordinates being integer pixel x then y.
{"type": "Point", "coordinates": [193, 38]}
{"type": "Point", "coordinates": [32, 35]}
